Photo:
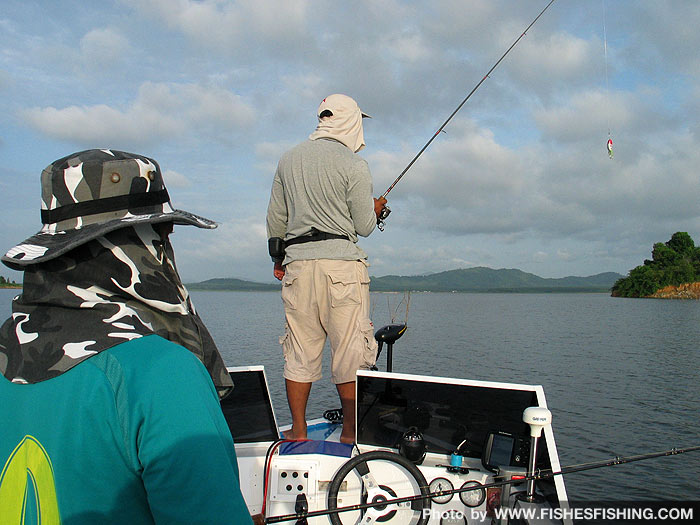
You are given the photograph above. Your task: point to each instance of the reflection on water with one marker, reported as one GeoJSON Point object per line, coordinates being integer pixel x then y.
{"type": "Point", "coordinates": [620, 375]}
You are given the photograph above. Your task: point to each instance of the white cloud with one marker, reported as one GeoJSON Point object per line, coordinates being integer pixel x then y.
{"type": "Point", "coordinates": [659, 36]}
{"type": "Point", "coordinates": [231, 27]}
{"type": "Point", "coordinates": [101, 124]}
{"type": "Point", "coordinates": [160, 111]}
{"type": "Point", "coordinates": [174, 179]}
{"type": "Point", "coordinates": [564, 255]}
{"type": "Point", "coordinates": [590, 113]}
{"type": "Point", "coordinates": [555, 61]}
{"type": "Point", "coordinates": [237, 248]}
{"type": "Point", "coordinates": [409, 47]}
{"type": "Point", "coordinates": [304, 86]}
{"type": "Point", "coordinates": [103, 48]}
{"type": "Point", "coordinates": [404, 259]}
{"type": "Point", "coordinates": [268, 154]}
{"type": "Point", "coordinates": [539, 256]}
{"type": "Point", "coordinates": [469, 182]}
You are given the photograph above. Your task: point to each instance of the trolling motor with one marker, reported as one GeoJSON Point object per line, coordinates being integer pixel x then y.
{"type": "Point", "coordinates": [388, 334]}
{"type": "Point", "coordinates": [537, 418]}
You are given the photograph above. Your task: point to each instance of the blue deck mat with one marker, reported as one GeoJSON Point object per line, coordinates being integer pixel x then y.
{"type": "Point", "coordinates": [329, 448]}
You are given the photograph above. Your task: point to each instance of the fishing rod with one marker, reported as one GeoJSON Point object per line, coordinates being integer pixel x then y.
{"type": "Point", "coordinates": [385, 210]}
{"type": "Point", "coordinates": [538, 475]}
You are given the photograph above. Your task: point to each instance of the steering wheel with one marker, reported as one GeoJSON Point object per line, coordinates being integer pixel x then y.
{"type": "Point", "coordinates": [374, 492]}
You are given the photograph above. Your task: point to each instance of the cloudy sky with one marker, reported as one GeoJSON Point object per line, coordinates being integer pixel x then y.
{"type": "Point", "coordinates": [217, 90]}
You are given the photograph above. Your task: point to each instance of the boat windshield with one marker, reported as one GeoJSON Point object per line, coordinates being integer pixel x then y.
{"type": "Point", "coordinates": [447, 414]}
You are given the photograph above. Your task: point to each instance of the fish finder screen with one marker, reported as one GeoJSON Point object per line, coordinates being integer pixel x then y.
{"type": "Point", "coordinates": [248, 409]}
{"type": "Point", "coordinates": [501, 450]}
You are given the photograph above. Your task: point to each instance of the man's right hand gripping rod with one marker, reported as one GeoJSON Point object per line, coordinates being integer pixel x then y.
{"type": "Point", "coordinates": [381, 210]}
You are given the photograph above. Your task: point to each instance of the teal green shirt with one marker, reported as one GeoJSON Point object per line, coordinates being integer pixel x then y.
{"type": "Point", "coordinates": [132, 435]}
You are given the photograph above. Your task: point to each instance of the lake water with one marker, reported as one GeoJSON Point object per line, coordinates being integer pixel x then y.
{"type": "Point", "coordinates": [621, 376]}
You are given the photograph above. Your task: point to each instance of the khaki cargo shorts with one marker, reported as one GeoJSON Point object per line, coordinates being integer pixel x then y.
{"type": "Point", "coordinates": [327, 298]}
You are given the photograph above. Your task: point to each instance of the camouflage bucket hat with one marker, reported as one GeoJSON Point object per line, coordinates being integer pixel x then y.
{"type": "Point", "coordinates": [88, 194]}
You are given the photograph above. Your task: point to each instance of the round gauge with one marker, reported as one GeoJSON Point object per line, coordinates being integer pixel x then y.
{"type": "Point", "coordinates": [438, 485]}
{"type": "Point", "coordinates": [473, 497]}
{"type": "Point", "coordinates": [453, 517]}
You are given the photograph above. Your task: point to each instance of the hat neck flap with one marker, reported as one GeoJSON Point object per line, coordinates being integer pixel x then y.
{"type": "Point", "coordinates": [115, 288]}
{"type": "Point", "coordinates": [345, 126]}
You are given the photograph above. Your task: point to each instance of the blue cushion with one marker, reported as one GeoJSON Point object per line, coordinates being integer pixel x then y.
{"type": "Point", "coordinates": [329, 448]}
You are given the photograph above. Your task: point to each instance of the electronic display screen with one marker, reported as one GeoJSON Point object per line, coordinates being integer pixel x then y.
{"type": "Point", "coordinates": [501, 450]}
{"type": "Point", "coordinates": [248, 409]}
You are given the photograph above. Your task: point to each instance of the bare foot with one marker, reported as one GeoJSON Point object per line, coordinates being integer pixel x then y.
{"type": "Point", "coordinates": [291, 434]}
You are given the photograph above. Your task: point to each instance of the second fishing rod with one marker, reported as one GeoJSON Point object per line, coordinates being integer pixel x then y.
{"type": "Point", "coordinates": [386, 210]}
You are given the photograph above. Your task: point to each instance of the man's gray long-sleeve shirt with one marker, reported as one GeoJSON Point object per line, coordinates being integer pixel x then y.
{"type": "Point", "coordinates": [321, 184]}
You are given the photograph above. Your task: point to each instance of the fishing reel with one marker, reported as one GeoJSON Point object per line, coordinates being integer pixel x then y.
{"type": "Point", "coordinates": [382, 216]}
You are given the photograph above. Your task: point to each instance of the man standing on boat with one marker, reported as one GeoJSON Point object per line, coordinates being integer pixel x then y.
{"type": "Point", "coordinates": [321, 200]}
{"type": "Point", "coordinates": [110, 408]}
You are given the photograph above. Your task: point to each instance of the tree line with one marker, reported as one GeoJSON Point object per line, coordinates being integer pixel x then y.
{"type": "Point", "coordinates": [4, 282]}
{"type": "Point", "coordinates": [672, 263]}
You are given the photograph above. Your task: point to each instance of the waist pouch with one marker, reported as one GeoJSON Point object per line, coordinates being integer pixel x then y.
{"type": "Point", "coordinates": [314, 236]}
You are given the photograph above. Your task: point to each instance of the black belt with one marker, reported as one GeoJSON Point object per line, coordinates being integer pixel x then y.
{"type": "Point", "coordinates": [314, 236]}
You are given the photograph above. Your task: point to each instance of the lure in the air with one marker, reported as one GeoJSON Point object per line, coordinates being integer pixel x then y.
{"type": "Point", "coordinates": [610, 149]}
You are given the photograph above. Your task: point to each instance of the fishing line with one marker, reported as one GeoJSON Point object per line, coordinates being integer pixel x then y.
{"type": "Point", "coordinates": [384, 214]}
{"type": "Point", "coordinates": [605, 53]}
{"type": "Point", "coordinates": [607, 84]}
{"type": "Point", "coordinates": [538, 475]}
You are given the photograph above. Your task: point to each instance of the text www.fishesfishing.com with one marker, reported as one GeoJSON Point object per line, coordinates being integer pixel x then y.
{"type": "Point", "coordinates": [580, 514]}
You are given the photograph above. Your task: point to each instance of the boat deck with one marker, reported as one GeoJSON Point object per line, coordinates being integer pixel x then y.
{"type": "Point", "coordinates": [463, 419]}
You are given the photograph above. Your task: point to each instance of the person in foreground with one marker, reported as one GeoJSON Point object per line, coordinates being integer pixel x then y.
{"type": "Point", "coordinates": [321, 200]}
{"type": "Point", "coordinates": [110, 382]}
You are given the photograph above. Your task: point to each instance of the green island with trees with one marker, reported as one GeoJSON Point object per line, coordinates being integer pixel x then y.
{"type": "Point", "coordinates": [673, 263]}
{"type": "Point", "coordinates": [6, 283]}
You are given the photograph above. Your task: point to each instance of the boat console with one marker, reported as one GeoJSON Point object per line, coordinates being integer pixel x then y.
{"type": "Point", "coordinates": [474, 435]}
{"type": "Point", "coordinates": [429, 450]}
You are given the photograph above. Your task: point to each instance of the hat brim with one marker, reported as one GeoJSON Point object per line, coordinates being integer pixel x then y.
{"type": "Point", "coordinates": [44, 246]}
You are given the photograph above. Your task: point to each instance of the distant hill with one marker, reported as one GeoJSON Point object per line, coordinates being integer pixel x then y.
{"type": "Point", "coordinates": [229, 284]}
{"type": "Point", "coordinates": [482, 279]}
{"type": "Point", "coordinates": [479, 279]}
